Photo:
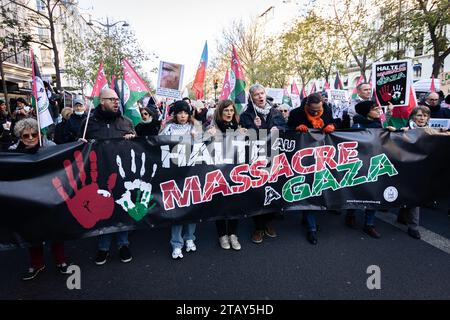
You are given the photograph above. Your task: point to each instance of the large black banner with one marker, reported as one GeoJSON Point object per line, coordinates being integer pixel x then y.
{"type": "Point", "coordinates": [78, 190]}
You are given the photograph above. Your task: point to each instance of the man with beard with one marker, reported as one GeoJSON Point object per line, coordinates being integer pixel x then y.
{"type": "Point", "coordinates": [107, 122]}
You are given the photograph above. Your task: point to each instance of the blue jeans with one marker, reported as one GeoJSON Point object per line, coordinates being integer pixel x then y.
{"type": "Point", "coordinates": [181, 233]}
{"type": "Point", "coordinates": [369, 219]}
{"type": "Point", "coordinates": [310, 219]}
{"type": "Point", "coordinates": [104, 242]}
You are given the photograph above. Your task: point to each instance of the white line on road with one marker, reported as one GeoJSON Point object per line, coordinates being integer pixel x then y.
{"type": "Point", "coordinates": [434, 239]}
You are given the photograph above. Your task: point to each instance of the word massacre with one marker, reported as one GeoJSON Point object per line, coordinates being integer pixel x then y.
{"type": "Point", "coordinates": [257, 174]}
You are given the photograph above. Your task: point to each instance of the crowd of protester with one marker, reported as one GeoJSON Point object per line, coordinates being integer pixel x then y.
{"type": "Point", "coordinates": [19, 133]}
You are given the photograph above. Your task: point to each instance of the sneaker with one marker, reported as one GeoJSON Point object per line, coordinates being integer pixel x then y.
{"type": "Point", "coordinates": [190, 246]}
{"type": "Point", "coordinates": [258, 236]}
{"type": "Point", "coordinates": [371, 231]}
{"type": "Point", "coordinates": [102, 257]}
{"type": "Point", "coordinates": [32, 273]}
{"type": "Point", "coordinates": [414, 233]}
{"type": "Point", "coordinates": [235, 243]}
{"type": "Point", "coordinates": [270, 231]}
{"type": "Point", "coordinates": [63, 268]}
{"type": "Point", "coordinates": [125, 254]}
{"type": "Point", "coordinates": [225, 242]}
{"type": "Point", "coordinates": [177, 254]}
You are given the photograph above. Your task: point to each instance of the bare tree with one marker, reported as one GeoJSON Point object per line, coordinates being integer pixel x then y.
{"type": "Point", "coordinates": [46, 16]}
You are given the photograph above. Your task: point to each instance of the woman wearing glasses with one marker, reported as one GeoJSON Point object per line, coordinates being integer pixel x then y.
{"type": "Point", "coordinates": [27, 132]}
{"type": "Point", "coordinates": [149, 126]}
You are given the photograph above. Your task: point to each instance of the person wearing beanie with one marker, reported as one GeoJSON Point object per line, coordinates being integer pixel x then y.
{"type": "Point", "coordinates": [181, 124]}
{"type": "Point", "coordinates": [367, 116]}
{"type": "Point", "coordinates": [150, 125]}
{"type": "Point", "coordinates": [107, 122]}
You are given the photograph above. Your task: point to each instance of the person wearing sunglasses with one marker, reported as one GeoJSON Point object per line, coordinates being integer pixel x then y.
{"type": "Point", "coordinates": [28, 133]}
{"type": "Point", "coordinates": [284, 109]}
{"type": "Point", "coordinates": [107, 122]}
{"type": "Point", "coordinates": [150, 125]}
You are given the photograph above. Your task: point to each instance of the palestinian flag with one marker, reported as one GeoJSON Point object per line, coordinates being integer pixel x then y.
{"type": "Point", "coordinates": [326, 86]}
{"type": "Point", "coordinates": [338, 83]}
{"type": "Point", "coordinates": [295, 96]}
{"type": "Point", "coordinates": [134, 90]}
{"type": "Point", "coordinates": [400, 115]}
{"type": "Point", "coordinates": [39, 99]}
{"type": "Point", "coordinates": [100, 84]}
{"type": "Point", "coordinates": [303, 94]}
{"type": "Point", "coordinates": [286, 98]}
{"type": "Point", "coordinates": [225, 94]}
{"type": "Point", "coordinates": [313, 88]}
{"type": "Point", "coordinates": [237, 82]}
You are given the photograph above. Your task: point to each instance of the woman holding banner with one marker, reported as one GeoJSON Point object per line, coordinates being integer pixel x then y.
{"type": "Point", "coordinates": [226, 118]}
{"type": "Point", "coordinates": [182, 123]}
{"type": "Point", "coordinates": [27, 131]}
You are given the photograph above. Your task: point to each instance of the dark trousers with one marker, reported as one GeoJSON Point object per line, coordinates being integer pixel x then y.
{"type": "Point", "coordinates": [262, 220]}
{"type": "Point", "coordinates": [226, 227]}
{"type": "Point", "coordinates": [37, 254]}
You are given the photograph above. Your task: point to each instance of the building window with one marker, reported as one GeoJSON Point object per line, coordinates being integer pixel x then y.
{"type": "Point", "coordinates": [417, 68]}
{"type": "Point", "coordinates": [40, 5]}
{"type": "Point", "coordinates": [46, 58]}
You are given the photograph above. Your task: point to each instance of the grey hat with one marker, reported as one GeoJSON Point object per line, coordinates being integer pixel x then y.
{"type": "Point", "coordinates": [78, 101]}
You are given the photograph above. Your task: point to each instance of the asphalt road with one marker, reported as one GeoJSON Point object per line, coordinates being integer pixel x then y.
{"type": "Point", "coordinates": [285, 268]}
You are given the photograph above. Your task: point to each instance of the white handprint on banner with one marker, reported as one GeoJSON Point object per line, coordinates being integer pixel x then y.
{"type": "Point", "coordinates": [140, 207]}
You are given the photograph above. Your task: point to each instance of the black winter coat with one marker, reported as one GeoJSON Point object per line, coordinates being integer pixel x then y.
{"type": "Point", "coordinates": [103, 125]}
{"type": "Point", "coordinates": [298, 117]}
{"type": "Point", "coordinates": [273, 119]}
{"type": "Point", "coordinates": [360, 122]}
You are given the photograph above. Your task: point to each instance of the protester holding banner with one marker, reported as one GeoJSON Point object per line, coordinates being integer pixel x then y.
{"type": "Point", "coordinates": [261, 115]}
{"type": "Point", "coordinates": [226, 118]}
{"type": "Point", "coordinates": [27, 131]}
{"type": "Point", "coordinates": [107, 122]}
{"type": "Point", "coordinates": [367, 116]}
{"type": "Point", "coordinates": [314, 115]}
{"type": "Point", "coordinates": [182, 123]}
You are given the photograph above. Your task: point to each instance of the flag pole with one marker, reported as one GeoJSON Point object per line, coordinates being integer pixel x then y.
{"type": "Point", "coordinates": [33, 63]}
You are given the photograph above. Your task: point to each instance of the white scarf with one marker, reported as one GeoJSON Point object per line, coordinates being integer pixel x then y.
{"type": "Point", "coordinates": [264, 111]}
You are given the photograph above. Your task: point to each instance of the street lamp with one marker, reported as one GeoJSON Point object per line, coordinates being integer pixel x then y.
{"type": "Point", "coordinates": [108, 25]}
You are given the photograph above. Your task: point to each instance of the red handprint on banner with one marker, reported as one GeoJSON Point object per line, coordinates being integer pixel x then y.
{"type": "Point", "coordinates": [386, 93]}
{"type": "Point", "coordinates": [89, 204]}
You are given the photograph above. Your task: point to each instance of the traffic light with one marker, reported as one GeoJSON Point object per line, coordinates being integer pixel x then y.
{"type": "Point", "coordinates": [216, 84]}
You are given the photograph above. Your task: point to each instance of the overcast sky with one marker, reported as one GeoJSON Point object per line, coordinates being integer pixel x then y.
{"type": "Point", "coordinates": [176, 30]}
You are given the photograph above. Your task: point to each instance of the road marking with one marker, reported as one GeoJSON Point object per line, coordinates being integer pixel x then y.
{"type": "Point", "coordinates": [434, 239]}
